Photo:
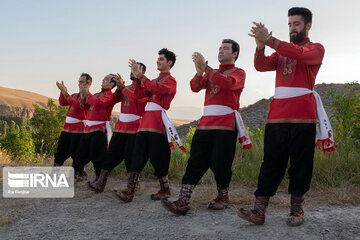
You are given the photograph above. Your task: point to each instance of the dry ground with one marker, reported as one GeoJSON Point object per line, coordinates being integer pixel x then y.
{"type": "Point", "coordinates": [102, 216]}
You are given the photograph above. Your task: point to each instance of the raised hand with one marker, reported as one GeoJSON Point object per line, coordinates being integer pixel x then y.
{"type": "Point", "coordinates": [134, 68]}
{"type": "Point", "coordinates": [200, 64]}
{"type": "Point", "coordinates": [120, 83]}
{"type": "Point", "coordinates": [260, 33]}
{"type": "Point", "coordinates": [61, 86]}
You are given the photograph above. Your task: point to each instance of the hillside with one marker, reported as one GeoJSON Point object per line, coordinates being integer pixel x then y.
{"type": "Point", "coordinates": [20, 102]}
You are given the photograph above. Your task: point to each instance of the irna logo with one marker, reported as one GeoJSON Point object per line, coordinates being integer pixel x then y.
{"type": "Point", "coordinates": [37, 180]}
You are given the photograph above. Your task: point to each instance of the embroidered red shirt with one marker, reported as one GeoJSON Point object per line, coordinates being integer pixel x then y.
{"type": "Point", "coordinates": [130, 104]}
{"type": "Point", "coordinates": [296, 65]}
{"type": "Point", "coordinates": [160, 91]}
{"type": "Point", "coordinates": [222, 86]}
{"type": "Point", "coordinates": [75, 111]}
{"type": "Point", "coordinates": [100, 107]}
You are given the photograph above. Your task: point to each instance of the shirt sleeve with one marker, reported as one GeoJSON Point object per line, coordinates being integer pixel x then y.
{"type": "Point", "coordinates": [62, 100]}
{"type": "Point", "coordinates": [311, 54]}
{"type": "Point", "coordinates": [234, 81]}
{"type": "Point", "coordinates": [73, 101]}
{"type": "Point", "coordinates": [166, 87]}
{"type": "Point", "coordinates": [103, 101]}
{"type": "Point", "coordinates": [196, 84]}
{"type": "Point", "coordinates": [117, 96]}
{"type": "Point", "coordinates": [264, 63]}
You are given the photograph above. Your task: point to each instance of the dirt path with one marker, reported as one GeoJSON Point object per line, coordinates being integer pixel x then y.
{"type": "Point", "coordinates": [102, 216]}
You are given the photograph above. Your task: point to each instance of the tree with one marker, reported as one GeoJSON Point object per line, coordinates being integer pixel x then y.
{"type": "Point", "coordinates": [4, 128]}
{"type": "Point", "coordinates": [346, 118]}
{"type": "Point", "coordinates": [14, 128]}
{"type": "Point", "coordinates": [47, 125]}
{"type": "Point", "coordinates": [19, 145]}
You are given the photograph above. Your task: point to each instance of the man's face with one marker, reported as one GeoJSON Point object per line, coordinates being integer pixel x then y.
{"type": "Point", "coordinates": [162, 63]}
{"type": "Point", "coordinates": [297, 28]}
{"type": "Point", "coordinates": [83, 83]}
{"type": "Point", "coordinates": [226, 56]}
{"type": "Point", "coordinates": [106, 83]}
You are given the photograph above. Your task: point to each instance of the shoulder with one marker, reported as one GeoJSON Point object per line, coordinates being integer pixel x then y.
{"type": "Point", "coordinates": [317, 45]}
{"type": "Point", "coordinates": [170, 79]}
{"type": "Point", "coordinates": [239, 71]}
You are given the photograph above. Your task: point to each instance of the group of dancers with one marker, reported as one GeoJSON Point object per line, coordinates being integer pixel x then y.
{"type": "Point", "coordinates": [144, 132]}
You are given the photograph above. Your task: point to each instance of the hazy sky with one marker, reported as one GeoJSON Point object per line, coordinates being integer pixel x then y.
{"type": "Point", "coordinates": [47, 41]}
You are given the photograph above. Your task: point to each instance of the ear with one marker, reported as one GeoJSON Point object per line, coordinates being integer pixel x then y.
{"type": "Point", "coordinates": [308, 26]}
{"type": "Point", "coordinates": [170, 63]}
{"type": "Point", "coordinates": [234, 54]}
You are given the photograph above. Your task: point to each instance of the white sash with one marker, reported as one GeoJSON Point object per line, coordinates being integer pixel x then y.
{"type": "Point", "coordinates": [219, 110]}
{"type": "Point", "coordinates": [325, 130]}
{"type": "Point", "coordinates": [107, 124]}
{"type": "Point", "coordinates": [128, 117]}
{"type": "Point", "coordinates": [171, 132]}
{"type": "Point", "coordinates": [71, 120]}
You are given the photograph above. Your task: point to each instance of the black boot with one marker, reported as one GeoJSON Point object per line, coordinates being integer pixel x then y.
{"type": "Point", "coordinates": [296, 216]}
{"type": "Point", "coordinates": [180, 206]}
{"type": "Point", "coordinates": [221, 201]}
{"type": "Point", "coordinates": [164, 191]}
{"type": "Point", "coordinates": [99, 185]}
{"type": "Point", "coordinates": [127, 195]}
{"type": "Point", "coordinates": [256, 215]}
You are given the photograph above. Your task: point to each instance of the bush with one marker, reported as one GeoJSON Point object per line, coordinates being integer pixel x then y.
{"type": "Point", "coordinates": [19, 145]}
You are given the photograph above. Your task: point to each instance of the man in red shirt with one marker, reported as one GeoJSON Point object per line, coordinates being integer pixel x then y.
{"type": "Point", "coordinates": [122, 142]}
{"type": "Point", "coordinates": [151, 140]}
{"type": "Point", "coordinates": [94, 142]}
{"type": "Point", "coordinates": [214, 141]}
{"type": "Point", "coordinates": [74, 123]}
{"type": "Point", "coordinates": [291, 124]}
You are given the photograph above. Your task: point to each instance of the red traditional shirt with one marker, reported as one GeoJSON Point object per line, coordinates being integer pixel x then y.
{"type": "Point", "coordinates": [160, 91]}
{"type": "Point", "coordinates": [100, 108]}
{"type": "Point", "coordinates": [75, 111]}
{"type": "Point", "coordinates": [223, 87]}
{"type": "Point", "coordinates": [296, 65]}
{"type": "Point", "coordinates": [131, 104]}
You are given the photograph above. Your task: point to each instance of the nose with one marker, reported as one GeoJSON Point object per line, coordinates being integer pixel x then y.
{"type": "Point", "coordinates": [292, 28]}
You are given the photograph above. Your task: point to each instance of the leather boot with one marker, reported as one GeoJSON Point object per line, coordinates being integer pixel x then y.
{"type": "Point", "coordinates": [221, 201]}
{"type": "Point", "coordinates": [127, 195]}
{"type": "Point", "coordinates": [296, 216]}
{"type": "Point", "coordinates": [256, 215]}
{"type": "Point", "coordinates": [97, 175]}
{"type": "Point", "coordinates": [182, 205]}
{"type": "Point", "coordinates": [164, 191]}
{"type": "Point", "coordinates": [99, 185]}
{"type": "Point", "coordinates": [80, 176]}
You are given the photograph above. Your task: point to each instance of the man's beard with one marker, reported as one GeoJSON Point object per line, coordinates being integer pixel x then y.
{"type": "Point", "coordinates": [132, 77]}
{"type": "Point", "coordinates": [298, 37]}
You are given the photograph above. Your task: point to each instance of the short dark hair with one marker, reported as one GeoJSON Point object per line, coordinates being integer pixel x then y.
{"type": "Point", "coordinates": [143, 66]}
{"type": "Point", "coordinates": [304, 12]}
{"type": "Point", "coordinates": [87, 77]}
{"type": "Point", "coordinates": [234, 45]}
{"type": "Point", "coordinates": [112, 80]}
{"type": "Point", "coordinates": [169, 55]}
